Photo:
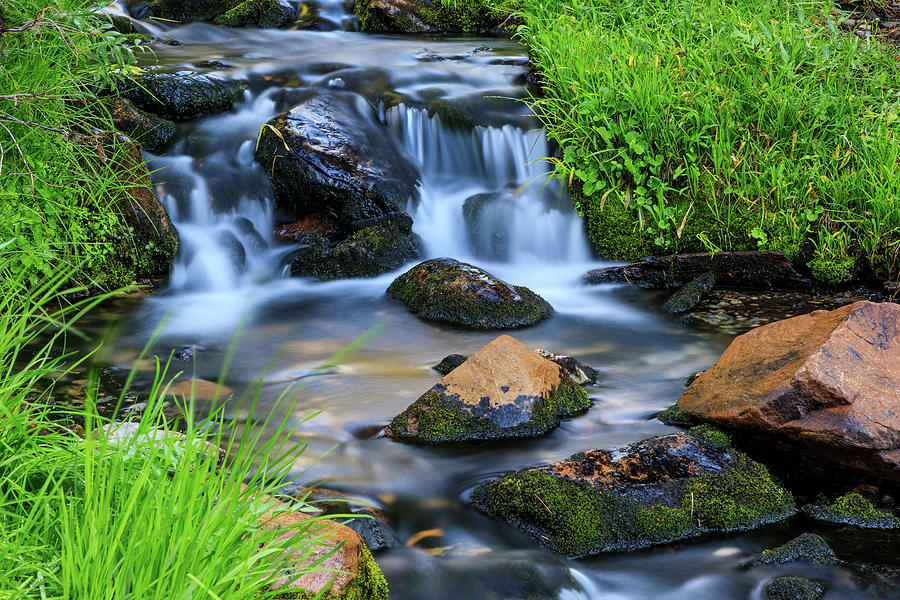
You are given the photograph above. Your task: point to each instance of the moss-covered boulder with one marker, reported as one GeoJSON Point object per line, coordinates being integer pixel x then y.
{"type": "Point", "coordinates": [330, 155]}
{"type": "Point", "coordinates": [429, 16]}
{"type": "Point", "coordinates": [229, 13]}
{"type": "Point", "coordinates": [794, 588]}
{"type": "Point", "coordinates": [690, 294]}
{"type": "Point", "coordinates": [853, 509]}
{"type": "Point", "coordinates": [265, 14]}
{"type": "Point", "coordinates": [657, 491]}
{"type": "Point", "coordinates": [151, 131]}
{"type": "Point", "coordinates": [371, 251]}
{"type": "Point", "coordinates": [450, 362]}
{"type": "Point", "coordinates": [449, 291]}
{"type": "Point", "coordinates": [182, 97]}
{"type": "Point", "coordinates": [805, 547]}
{"type": "Point", "coordinates": [505, 390]}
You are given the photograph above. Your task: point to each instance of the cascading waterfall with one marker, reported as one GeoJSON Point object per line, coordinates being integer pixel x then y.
{"type": "Point", "coordinates": [485, 193]}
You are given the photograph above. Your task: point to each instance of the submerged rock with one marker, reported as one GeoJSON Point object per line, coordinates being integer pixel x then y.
{"type": "Point", "coordinates": [504, 390]}
{"type": "Point", "coordinates": [329, 155]}
{"type": "Point", "coordinates": [690, 294]}
{"type": "Point", "coordinates": [450, 291]}
{"type": "Point", "coordinates": [853, 509]}
{"type": "Point", "coordinates": [182, 97]}
{"type": "Point", "coordinates": [450, 362]}
{"type": "Point", "coordinates": [229, 13]}
{"type": "Point", "coordinates": [369, 252]}
{"type": "Point", "coordinates": [426, 16]}
{"type": "Point", "coordinates": [487, 224]}
{"type": "Point", "coordinates": [657, 491]}
{"type": "Point", "coordinates": [808, 546]}
{"type": "Point", "coordinates": [740, 270]}
{"type": "Point", "coordinates": [822, 388]}
{"type": "Point", "coordinates": [151, 131]}
{"type": "Point", "coordinates": [794, 588]}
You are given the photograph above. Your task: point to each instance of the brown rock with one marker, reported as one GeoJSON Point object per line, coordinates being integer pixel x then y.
{"type": "Point", "coordinates": [201, 390]}
{"type": "Point", "coordinates": [304, 231]}
{"type": "Point", "coordinates": [826, 385]}
{"type": "Point", "coordinates": [503, 391]}
{"type": "Point", "coordinates": [740, 270]}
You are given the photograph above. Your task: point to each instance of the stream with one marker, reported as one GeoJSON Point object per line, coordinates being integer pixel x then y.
{"type": "Point", "coordinates": [282, 329]}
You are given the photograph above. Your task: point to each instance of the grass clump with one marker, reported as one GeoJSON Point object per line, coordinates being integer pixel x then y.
{"type": "Point", "coordinates": [737, 125]}
{"type": "Point", "coordinates": [134, 511]}
{"type": "Point", "coordinates": [65, 194]}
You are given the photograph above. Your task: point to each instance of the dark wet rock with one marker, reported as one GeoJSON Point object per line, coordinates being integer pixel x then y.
{"type": "Point", "coordinates": [182, 97]}
{"type": "Point", "coordinates": [504, 390]}
{"type": "Point", "coordinates": [170, 416]}
{"type": "Point", "coordinates": [577, 371]}
{"type": "Point", "coordinates": [807, 547]}
{"type": "Point", "coordinates": [265, 14]}
{"type": "Point", "coordinates": [122, 24]}
{"type": "Point", "coordinates": [250, 237]}
{"type": "Point", "coordinates": [794, 588]}
{"type": "Point", "coordinates": [450, 362]}
{"type": "Point", "coordinates": [426, 16]}
{"type": "Point", "coordinates": [329, 155]}
{"type": "Point", "coordinates": [369, 252]}
{"type": "Point", "coordinates": [853, 509]}
{"type": "Point", "coordinates": [229, 13]}
{"type": "Point", "coordinates": [690, 294]}
{"type": "Point", "coordinates": [305, 231]}
{"type": "Point", "coordinates": [657, 491]}
{"type": "Point", "coordinates": [450, 291]}
{"type": "Point", "coordinates": [151, 131]}
{"type": "Point", "coordinates": [739, 270]}
{"type": "Point", "coordinates": [487, 224]}
{"type": "Point", "coordinates": [820, 390]}
{"type": "Point", "coordinates": [483, 109]}
{"type": "Point", "coordinates": [235, 249]}
{"type": "Point", "coordinates": [676, 417]}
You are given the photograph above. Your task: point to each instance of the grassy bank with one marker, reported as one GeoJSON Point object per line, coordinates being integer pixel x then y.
{"type": "Point", "coordinates": [723, 125]}
{"type": "Point", "coordinates": [65, 189]}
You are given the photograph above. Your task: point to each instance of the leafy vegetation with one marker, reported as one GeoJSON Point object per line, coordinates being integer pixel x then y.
{"type": "Point", "coordinates": [58, 202]}
{"type": "Point", "coordinates": [131, 512]}
{"type": "Point", "coordinates": [723, 125]}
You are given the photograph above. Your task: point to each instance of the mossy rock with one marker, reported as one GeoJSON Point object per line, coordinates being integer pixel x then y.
{"type": "Point", "coordinates": [853, 509]}
{"type": "Point", "coordinates": [151, 131]}
{"type": "Point", "coordinates": [369, 583]}
{"type": "Point", "coordinates": [675, 417]}
{"type": "Point", "coordinates": [369, 252]}
{"type": "Point", "coordinates": [807, 547]}
{"type": "Point", "coordinates": [450, 362]}
{"type": "Point", "coordinates": [505, 390]}
{"type": "Point", "coordinates": [190, 10]}
{"type": "Point", "coordinates": [657, 491]}
{"type": "Point", "coordinates": [428, 16]}
{"type": "Point", "coordinates": [266, 14]}
{"type": "Point", "coordinates": [794, 588]}
{"type": "Point", "coordinates": [458, 293]}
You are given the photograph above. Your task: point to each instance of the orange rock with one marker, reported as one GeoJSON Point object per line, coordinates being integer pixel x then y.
{"type": "Point", "coordinates": [826, 384]}
{"type": "Point", "coordinates": [307, 228]}
{"type": "Point", "coordinates": [201, 389]}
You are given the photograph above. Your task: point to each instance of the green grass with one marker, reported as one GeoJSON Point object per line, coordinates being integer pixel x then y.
{"type": "Point", "coordinates": [723, 125]}
{"type": "Point", "coordinates": [57, 198]}
{"type": "Point", "coordinates": [147, 516]}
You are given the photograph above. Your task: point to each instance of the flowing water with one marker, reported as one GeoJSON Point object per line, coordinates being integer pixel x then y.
{"type": "Point", "coordinates": [228, 289]}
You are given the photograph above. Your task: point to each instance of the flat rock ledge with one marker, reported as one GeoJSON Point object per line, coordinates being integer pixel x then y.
{"type": "Point", "coordinates": [505, 390]}
{"type": "Point", "coordinates": [654, 492]}
{"type": "Point", "coordinates": [457, 293]}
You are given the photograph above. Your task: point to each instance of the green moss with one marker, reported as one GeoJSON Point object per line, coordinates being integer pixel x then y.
{"type": "Point", "coordinates": [439, 420]}
{"type": "Point", "coordinates": [710, 435]}
{"type": "Point", "coordinates": [832, 272]}
{"type": "Point", "coordinates": [676, 417]}
{"type": "Point", "coordinates": [807, 546]}
{"type": "Point", "coordinates": [439, 16]}
{"type": "Point", "coordinates": [853, 509]}
{"type": "Point", "coordinates": [189, 10]}
{"type": "Point", "coordinates": [257, 13]}
{"type": "Point", "coordinates": [794, 588]}
{"type": "Point", "coordinates": [577, 520]}
{"type": "Point", "coordinates": [369, 583]}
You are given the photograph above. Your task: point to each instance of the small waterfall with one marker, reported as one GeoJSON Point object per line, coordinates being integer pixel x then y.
{"type": "Point", "coordinates": [485, 193]}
